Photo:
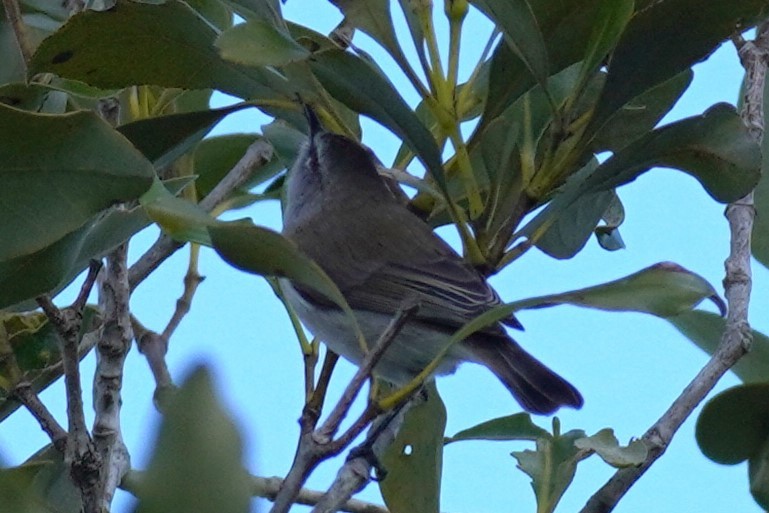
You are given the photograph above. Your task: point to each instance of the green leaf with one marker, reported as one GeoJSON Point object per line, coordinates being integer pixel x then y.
{"type": "Point", "coordinates": [17, 491]}
{"type": "Point", "coordinates": [512, 427]}
{"type": "Point", "coordinates": [705, 329]}
{"type": "Point", "coordinates": [715, 148]}
{"type": "Point", "coordinates": [551, 467]}
{"type": "Point", "coordinates": [734, 425]}
{"type": "Point", "coordinates": [572, 228]}
{"type": "Point", "coordinates": [52, 186]}
{"type": "Point", "coordinates": [414, 460]}
{"type": "Point", "coordinates": [35, 343]}
{"type": "Point", "coordinates": [523, 34]}
{"type": "Point", "coordinates": [610, 21]}
{"type": "Point", "coordinates": [664, 290]}
{"type": "Point", "coordinates": [640, 114]}
{"type": "Point", "coordinates": [361, 87]}
{"type": "Point", "coordinates": [259, 43]}
{"type": "Point", "coordinates": [606, 445]}
{"type": "Point", "coordinates": [52, 483]}
{"type": "Point", "coordinates": [758, 474]}
{"type": "Point", "coordinates": [180, 218]}
{"type": "Point", "coordinates": [163, 139]}
{"type": "Point", "coordinates": [215, 156]}
{"type": "Point", "coordinates": [565, 28]}
{"type": "Point", "coordinates": [188, 471]}
{"type": "Point", "coordinates": [262, 251]}
{"type": "Point", "coordinates": [373, 18]}
{"type": "Point", "coordinates": [655, 46]}
{"type": "Point", "coordinates": [183, 57]}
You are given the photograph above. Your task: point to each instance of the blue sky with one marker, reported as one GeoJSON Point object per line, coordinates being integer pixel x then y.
{"type": "Point", "coordinates": [629, 367]}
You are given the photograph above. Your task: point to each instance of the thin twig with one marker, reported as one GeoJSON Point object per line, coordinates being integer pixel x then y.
{"type": "Point", "coordinates": [94, 267]}
{"type": "Point", "coordinates": [85, 461]}
{"type": "Point", "coordinates": [258, 154]}
{"type": "Point", "coordinates": [191, 282]}
{"type": "Point", "coordinates": [13, 14]}
{"type": "Point", "coordinates": [737, 284]}
{"type": "Point", "coordinates": [111, 351]}
{"type": "Point", "coordinates": [388, 336]}
{"type": "Point", "coordinates": [355, 474]}
{"type": "Point", "coordinates": [42, 415]}
{"type": "Point", "coordinates": [267, 488]}
{"type": "Point", "coordinates": [315, 446]}
{"type": "Point", "coordinates": [154, 347]}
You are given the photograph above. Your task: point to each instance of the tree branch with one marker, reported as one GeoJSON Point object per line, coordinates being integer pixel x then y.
{"type": "Point", "coordinates": [81, 454]}
{"type": "Point", "coordinates": [44, 417]}
{"type": "Point", "coordinates": [111, 351]}
{"type": "Point", "coordinates": [737, 284]}
{"type": "Point", "coordinates": [258, 154]}
{"type": "Point", "coordinates": [316, 445]}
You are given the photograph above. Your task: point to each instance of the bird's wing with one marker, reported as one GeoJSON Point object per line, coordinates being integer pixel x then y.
{"type": "Point", "coordinates": [381, 274]}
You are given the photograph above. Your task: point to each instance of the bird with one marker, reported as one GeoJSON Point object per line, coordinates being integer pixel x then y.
{"type": "Point", "coordinates": [339, 211]}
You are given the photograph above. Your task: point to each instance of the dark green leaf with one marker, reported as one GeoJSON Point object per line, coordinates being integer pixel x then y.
{"type": "Point", "coordinates": [641, 114]}
{"type": "Point", "coordinates": [258, 43]}
{"type": "Point", "coordinates": [657, 46]}
{"type": "Point", "coordinates": [163, 139]}
{"type": "Point", "coordinates": [213, 11]}
{"type": "Point", "coordinates": [734, 425]}
{"type": "Point", "coordinates": [758, 474]}
{"type": "Point", "coordinates": [664, 290]}
{"type": "Point", "coordinates": [52, 483]}
{"type": "Point", "coordinates": [522, 32]}
{"type": "Point", "coordinates": [513, 427]}
{"type": "Point", "coordinates": [414, 460]}
{"type": "Point", "coordinates": [551, 467]}
{"type": "Point", "coordinates": [53, 185]}
{"type": "Point", "coordinates": [571, 229]}
{"type": "Point", "coordinates": [35, 344]}
{"type": "Point", "coordinates": [373, 18]}
{"type": "Point", "coordinates": [566, 29]}
{"type": "Point", "coordinates": [183, 57]}
{"type": "Point", "coordinates": [178, 217]}
{"type": "Point", "coordinates": [361, 87]}
{"type": "Point", "coordinates": [215, 157]}
{"type": "Point", "coordinates": [715, 148]}
{"type": "Point", "coordinates": [610, 21]}
{"type": "Point", "coordinates": [262, 251]}
{"type": "Point", "coordinates": [197, 463]}
{"type": "Point", "coordinates": [705, 329]}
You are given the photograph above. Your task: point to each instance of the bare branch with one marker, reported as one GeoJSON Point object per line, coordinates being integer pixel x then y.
{"type": "Point", "coordinates": [85, 461]}
{"type": "Point", "coordinates": [154, 347]}
{"type": "Point", "coordinates": [737, 284]}
{"type": "Point", "coordinates": [82, 298]}
{"type": "Point", "coordinates": [258, 154]}
{"type": "Point", "coordinates": [111, 351]}
{"type": "Point", "coordinates": [355, 474]}
{"type": "Point", "coordinates": [191, 282]}
{"type": "Point", "coordinates": [315, 446]}
{"type": "Point", "coordinates": [269, 487]}
{"type": "Point", "coordinates": [42, 415]}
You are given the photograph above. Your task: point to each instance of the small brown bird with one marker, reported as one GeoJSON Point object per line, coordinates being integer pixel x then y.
{"type": "Point", "coordinates": [339, 211]}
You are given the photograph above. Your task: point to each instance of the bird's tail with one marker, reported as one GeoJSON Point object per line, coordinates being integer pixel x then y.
{"type": "Point", "coordinates": [534, 386]}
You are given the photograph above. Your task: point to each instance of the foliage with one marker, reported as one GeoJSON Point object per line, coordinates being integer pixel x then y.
{"type": "Point", "coordinates": [563, 107]}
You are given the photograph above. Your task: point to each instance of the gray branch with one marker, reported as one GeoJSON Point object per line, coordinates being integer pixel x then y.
{"type": "Point", "coordinates": [111, 350]}
{"type": "Point", "coordinates": [737, 335]}
{"type": "Point", "coordinates": [258, 154]}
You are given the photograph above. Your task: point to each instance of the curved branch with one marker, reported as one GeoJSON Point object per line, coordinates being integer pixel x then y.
{"type": "Point", "coordinates": [737, 336]}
